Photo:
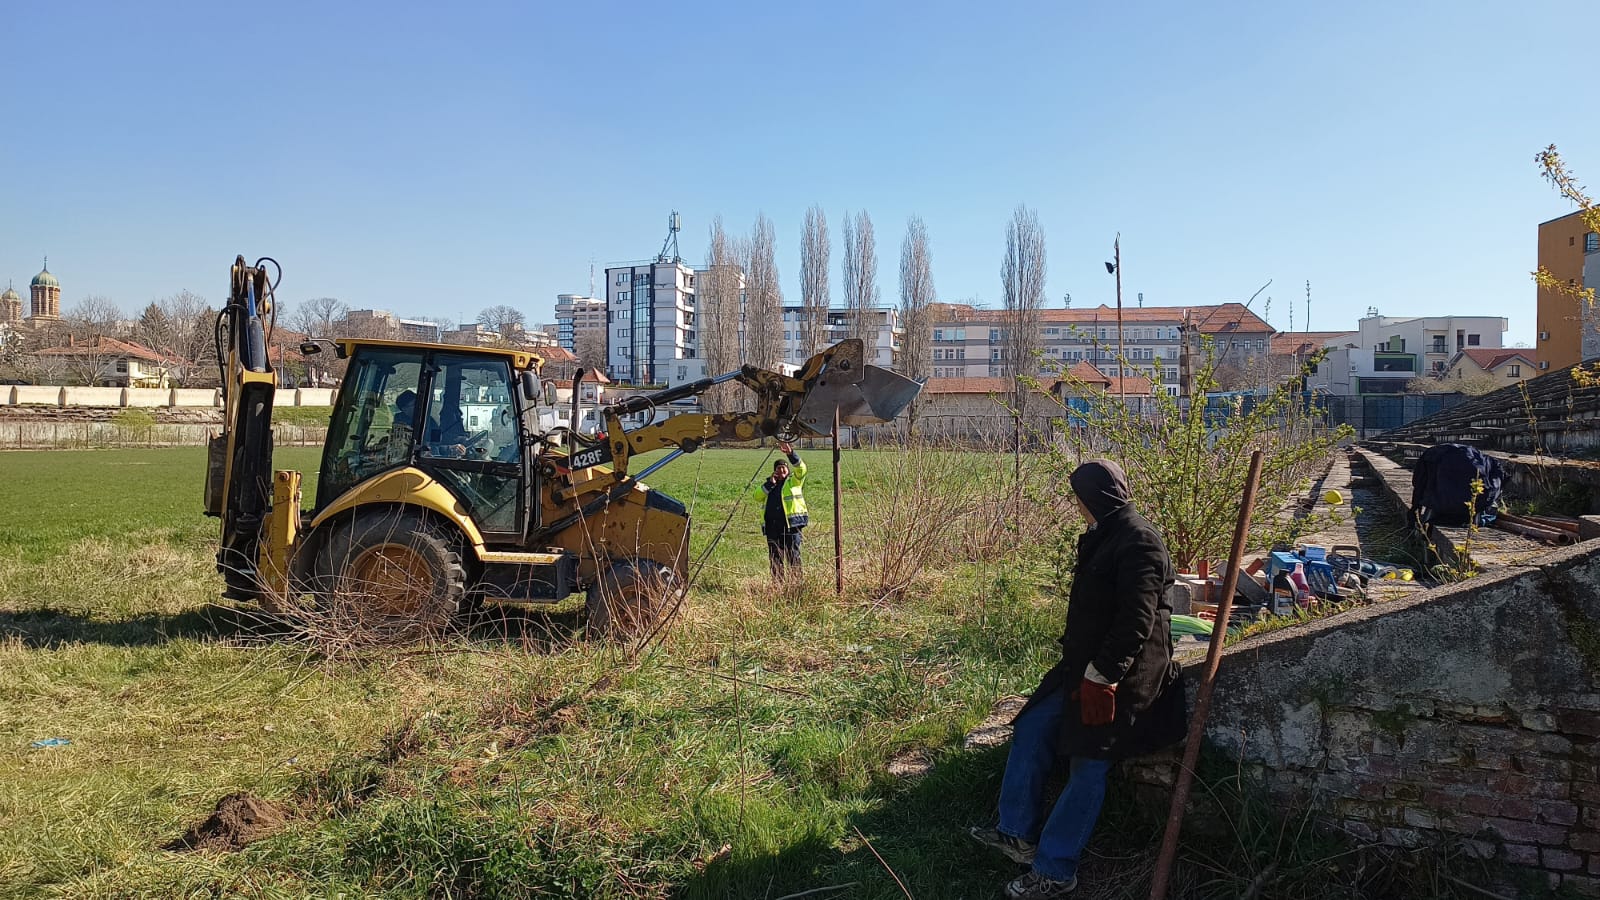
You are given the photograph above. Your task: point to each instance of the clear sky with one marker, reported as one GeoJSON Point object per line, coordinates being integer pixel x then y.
{"type": "Point", "coordinates": [436, 159]}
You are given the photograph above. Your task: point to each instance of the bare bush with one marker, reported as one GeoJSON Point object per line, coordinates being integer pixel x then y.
{"type": "Point", "coordinates": [939, 504]}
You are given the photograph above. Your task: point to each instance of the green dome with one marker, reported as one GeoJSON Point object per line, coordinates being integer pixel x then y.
{"type": "Point", "coordinates": [11, 295]}
{"type": "Point", "coordinates": [45, 279]}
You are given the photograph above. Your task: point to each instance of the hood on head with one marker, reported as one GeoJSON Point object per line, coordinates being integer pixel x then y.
{"type": "Point", "coordinates": [1102, 486]}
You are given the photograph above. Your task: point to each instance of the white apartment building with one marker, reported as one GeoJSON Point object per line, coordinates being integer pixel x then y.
{"type": "Point", "coordinates": [1386, 352]}
{"type": "Point", "coordinates": [420, 330]}
{"type": "Point", "coordinates": [576, 313]}
{"type": "Point", "coordinates": [970, 342]}
{"type": "Point", "coordinates": [651, 336]}
{"type": "Point", "coordinates": [883, 349]}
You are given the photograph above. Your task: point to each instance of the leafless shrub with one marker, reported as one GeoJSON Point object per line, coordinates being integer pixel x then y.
{"type": "Point", "coordinates": [940, 503]}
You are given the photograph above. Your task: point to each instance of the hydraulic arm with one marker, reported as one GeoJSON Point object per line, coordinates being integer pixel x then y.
{"type": "Point", "coordinates": [239, 470]}
{"type": "Point", "coordinates": [786, 407]}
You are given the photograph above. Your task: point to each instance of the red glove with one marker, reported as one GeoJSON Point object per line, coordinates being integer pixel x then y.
{"type": "Point", "coordinates": [1097, 703]}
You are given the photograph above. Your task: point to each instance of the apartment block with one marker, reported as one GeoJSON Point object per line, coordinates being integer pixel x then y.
{"type": "Point", "coordinates": [971, 343]}
{"type": "Point", "coordinates": [651, 335]}
{"type": "Point", "coordinates": [888, 332]}
{"type": "Point", "coordinates": [576, 314]}
{"type": "Point", "coordinates": [1567, 329]}
{"type": "Point", "coordinates": [1385, 353]}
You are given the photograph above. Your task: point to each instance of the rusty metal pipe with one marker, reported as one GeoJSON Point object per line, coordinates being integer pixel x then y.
{"type": "Point", "coordinates": [1202, 702]}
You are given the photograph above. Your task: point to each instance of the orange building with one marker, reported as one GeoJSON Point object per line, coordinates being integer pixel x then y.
{"type": "Point", "coordinates": [1563, 244]}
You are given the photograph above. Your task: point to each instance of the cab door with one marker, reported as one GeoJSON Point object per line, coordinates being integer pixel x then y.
{"type": "Point", "coordinates": [470, 439]}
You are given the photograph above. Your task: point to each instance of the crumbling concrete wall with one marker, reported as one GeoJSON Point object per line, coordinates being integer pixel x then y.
{"type": "Point", "coordinates": [1468, 713]}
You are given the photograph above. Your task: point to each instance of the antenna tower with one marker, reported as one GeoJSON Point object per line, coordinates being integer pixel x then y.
{"type": "Point", "coordinates": [674, 225]}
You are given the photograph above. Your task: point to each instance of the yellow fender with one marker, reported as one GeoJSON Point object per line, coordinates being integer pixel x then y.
{"type": "Point", "coordinates": [411, 487]}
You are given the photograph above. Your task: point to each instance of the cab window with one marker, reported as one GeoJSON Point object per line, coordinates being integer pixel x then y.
{"type": "Point", "coordinates": [372, 425]}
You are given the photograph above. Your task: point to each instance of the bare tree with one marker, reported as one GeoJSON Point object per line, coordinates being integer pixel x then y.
{"type": "Point", "coordinates": [861, 278]}
{"type": "Point", "coordinates": [317, 317]}
{"type": "Point", "coordinates": [505, 320]}
{"type": "Point", "coordinates": [917, 294]}
{"type": "Point", "coordinates": [764, 297]}
{"type": "Point", "coordinates": [814, 274]}
{"type": "Point", "coordinates": [589, 346]}
{"type": "Point", "coordinates": [719, 292]}
{"type": "Point", "coordinates": [1022, 286]}
{"type": "Point", "coordinates": [180, 327]}
{"type": "Point", "coordinates": [88, 355]}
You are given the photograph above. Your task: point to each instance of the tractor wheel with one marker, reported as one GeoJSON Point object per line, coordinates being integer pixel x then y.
{"type": "Point", "coordinates": [629, 598]}
{"type": "Point", "coordinates": [390, 575]}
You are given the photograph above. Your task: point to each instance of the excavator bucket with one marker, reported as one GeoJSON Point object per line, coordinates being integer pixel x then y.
{"type": "Point", "coordinates": [862, 394]}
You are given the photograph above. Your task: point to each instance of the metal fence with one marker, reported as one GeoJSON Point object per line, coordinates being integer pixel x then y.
{"type": "Point", "coordinates": [1373, 415]}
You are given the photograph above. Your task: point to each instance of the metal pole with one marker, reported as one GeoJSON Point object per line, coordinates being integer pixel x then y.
{"type": "Point", "coordinates": [1116, 260]}
{"type": "Point", "coordinates": [1202, 702]}
{"type": "Point", "coordinates": [838, 515]}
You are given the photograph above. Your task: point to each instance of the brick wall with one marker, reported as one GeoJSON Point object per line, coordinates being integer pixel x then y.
{"type": "Point", "coordinates": [1467, 714]}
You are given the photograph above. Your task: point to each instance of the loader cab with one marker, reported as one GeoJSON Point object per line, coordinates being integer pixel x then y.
{"type": "Point", "coordinates": [452, 412]}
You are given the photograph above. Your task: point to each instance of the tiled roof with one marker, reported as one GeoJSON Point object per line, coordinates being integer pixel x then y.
{"type": "Point", "coordinates": [1491, 358]}
{"type": "Point", "coordinates": [112, 347]}
{"type": "Point", "coordinates": [967, 386]}
{"type": "Point", "coordinates": [1301, 343]}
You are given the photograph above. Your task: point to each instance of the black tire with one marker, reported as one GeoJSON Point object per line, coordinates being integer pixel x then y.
{"type": "Point", "coordinates": [391, 575]}
{"type": "Point", "coordinates": [629, 598]}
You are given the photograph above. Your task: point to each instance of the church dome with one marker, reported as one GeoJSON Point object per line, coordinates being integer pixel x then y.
{"type": "Point", "coordinates": [11, 295]}
{"type": "Point", "coordinates": [45, 279]}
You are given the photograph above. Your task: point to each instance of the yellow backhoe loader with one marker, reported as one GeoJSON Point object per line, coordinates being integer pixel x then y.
{"type": "Point", "coordinates": [439, 488]}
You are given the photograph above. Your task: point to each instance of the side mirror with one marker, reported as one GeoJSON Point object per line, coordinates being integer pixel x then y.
{"type": "Point", "coordinates": [530, 388]}
{"type": "Point", "coordinates": [550, 393]}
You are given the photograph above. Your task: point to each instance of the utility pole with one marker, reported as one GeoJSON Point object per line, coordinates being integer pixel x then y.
{"type": "Point", "coordinates": [1116, 260]}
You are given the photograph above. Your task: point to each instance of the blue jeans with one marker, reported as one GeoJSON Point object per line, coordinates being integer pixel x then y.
{"type": "Point", "coordinates": [1065, 832]}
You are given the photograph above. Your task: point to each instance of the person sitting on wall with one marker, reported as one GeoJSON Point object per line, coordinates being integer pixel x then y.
{"type": "Point", "coordinates": [1116, 693]}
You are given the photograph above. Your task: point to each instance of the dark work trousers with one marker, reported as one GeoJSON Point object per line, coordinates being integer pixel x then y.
{"type": "Point", "coordinates": [783, 551]}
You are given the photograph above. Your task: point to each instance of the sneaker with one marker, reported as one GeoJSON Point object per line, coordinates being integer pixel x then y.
{"type": "Point", "coordinates": [1033, 886]}
{"type": "Point", "coordinates": [1015, 849]}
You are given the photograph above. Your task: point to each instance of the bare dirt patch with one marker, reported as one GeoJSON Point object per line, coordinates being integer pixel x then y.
{"type": "Point", "coordinates": [238, 820]}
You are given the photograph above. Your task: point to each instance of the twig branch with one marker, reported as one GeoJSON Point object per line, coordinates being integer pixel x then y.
{"type": "Point", "coordinates": [886, 866]}
{"type": "Point", "coordinates": [820, 890]}
{"type": "Point", "coordinates": [1472, 887]}
{"type": "Point", "coordinates": [744, 681]}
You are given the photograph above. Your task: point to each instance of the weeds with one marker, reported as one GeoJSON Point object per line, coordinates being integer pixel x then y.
{"type": "Point", "coordinates": [1187, 459]}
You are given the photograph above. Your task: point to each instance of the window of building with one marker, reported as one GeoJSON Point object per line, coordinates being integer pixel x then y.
{"type": "Point", "coordinates": [961, 353]}
{"type": "Point", "coordinates": [994, 354]}
{"type": "Point", "coordinates": [1591, 242]}
{"type": "Point", "coordinates": [938, 353]}
{"type": "Point", "coordinates": [1513, 371]}
{"type": "Point", "coordinates": [1472, 340]}
{"type": "Point", "coordinates": [938, 334]}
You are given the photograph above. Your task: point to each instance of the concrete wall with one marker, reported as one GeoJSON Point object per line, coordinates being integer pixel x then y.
{"type": "Point", "coordinates": [92, 397]}
{"type": "Point", "coordinates": [1468, 713]}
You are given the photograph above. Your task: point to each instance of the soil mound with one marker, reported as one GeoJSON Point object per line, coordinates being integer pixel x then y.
{"type": "Point", "coordinates": [239, 819]}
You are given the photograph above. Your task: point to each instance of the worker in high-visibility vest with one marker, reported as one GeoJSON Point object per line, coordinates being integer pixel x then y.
{"type": "Point", "coordinates": [784, 515]}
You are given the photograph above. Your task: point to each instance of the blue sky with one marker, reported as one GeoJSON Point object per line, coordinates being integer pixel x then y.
{"type": "Point", "coordinates": [437, 161]}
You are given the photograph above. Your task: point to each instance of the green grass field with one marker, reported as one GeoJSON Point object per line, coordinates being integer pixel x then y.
{"type": "Point", "coordinates": [762, 726]}
{"type": "Point", "coordinates": [747, 756]}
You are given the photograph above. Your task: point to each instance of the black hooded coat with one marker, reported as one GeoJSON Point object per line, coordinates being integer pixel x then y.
{"type": "Point", "coordinates": [1119, 619]}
